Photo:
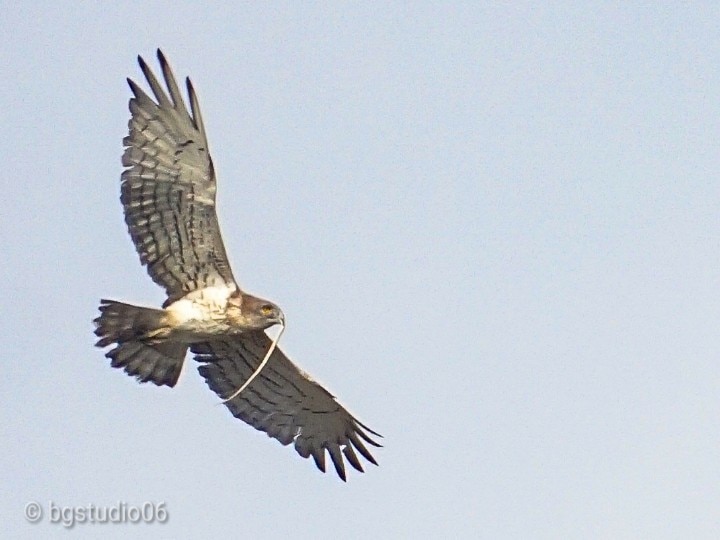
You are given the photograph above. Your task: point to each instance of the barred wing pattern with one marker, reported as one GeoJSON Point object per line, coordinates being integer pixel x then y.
{"type": "Point", "coordinates": [168, 189]}
{"type": "Point", "coordinates": [283, 401]}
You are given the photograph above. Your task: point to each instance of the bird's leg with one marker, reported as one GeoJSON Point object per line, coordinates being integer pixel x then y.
{"type": "Point", "coordinates": [259, 368]}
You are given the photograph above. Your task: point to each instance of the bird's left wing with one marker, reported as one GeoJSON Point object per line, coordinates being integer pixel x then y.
{"type": "Point", "coordinates": [168, 189]}
{"type": "Point", "coordinates": [283, 401]}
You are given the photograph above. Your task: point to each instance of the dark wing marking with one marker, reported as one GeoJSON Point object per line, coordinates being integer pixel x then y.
{"type": "Point", "coordinates": [168, 189]}
{"type": "Point", "coordinates": [283, 401]}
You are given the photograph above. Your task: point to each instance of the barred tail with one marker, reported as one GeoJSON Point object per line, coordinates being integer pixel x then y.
{"type": "Point", "coordinates": [131, 328]}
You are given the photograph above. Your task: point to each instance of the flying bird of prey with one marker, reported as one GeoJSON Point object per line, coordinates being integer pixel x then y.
{"type": "Point", "coordinates": [168, 197]}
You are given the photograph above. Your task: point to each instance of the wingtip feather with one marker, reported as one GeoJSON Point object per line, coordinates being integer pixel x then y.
{"type": "Point", "coordinates": [319, 458]}
{"type": "Point", "coordinates": [338, 462]}
{"type": "Point", "coordinates": [133, 85]}
{"type": "Point", "coordinates": [352, 458]}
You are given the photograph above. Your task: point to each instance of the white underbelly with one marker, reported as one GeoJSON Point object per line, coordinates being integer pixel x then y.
{"type": "Point", "coordinates": [200, 314]}
{"type": "Point", "coordinates": [196, 331]}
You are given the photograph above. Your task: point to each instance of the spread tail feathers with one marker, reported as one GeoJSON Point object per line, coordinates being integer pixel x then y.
{"type": "Point", "coordinates": [132, 329]}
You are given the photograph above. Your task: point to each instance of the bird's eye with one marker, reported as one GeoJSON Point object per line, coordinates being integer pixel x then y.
{"type": "Point", "coordinates": [266, 309]}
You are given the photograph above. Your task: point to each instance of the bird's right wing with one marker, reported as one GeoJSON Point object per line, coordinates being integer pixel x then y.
{"type": "Point", "coordinates": [168, 189]}
{"type": "Point", "coordinates": [283, 401]}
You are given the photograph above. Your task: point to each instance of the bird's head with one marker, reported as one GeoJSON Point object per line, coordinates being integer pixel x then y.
{"type": "Point", "coordinates": [249, 312]}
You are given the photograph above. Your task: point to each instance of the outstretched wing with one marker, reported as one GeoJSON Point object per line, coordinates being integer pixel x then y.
{"type": "Point", "coordinates": [283, 401]}
{"type": "Point", "coordinates": [168, 189]}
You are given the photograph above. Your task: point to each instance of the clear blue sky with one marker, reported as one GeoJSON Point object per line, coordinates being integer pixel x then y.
{"type": "Point", "coordinates": [493, 230]}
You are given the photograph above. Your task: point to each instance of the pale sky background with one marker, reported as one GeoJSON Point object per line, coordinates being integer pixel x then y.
{"type": "Point", "coordinates": [493, 229]}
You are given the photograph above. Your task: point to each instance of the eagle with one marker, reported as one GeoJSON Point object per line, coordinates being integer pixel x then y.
{"type": "Point", "coordinates": [168, 192]}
